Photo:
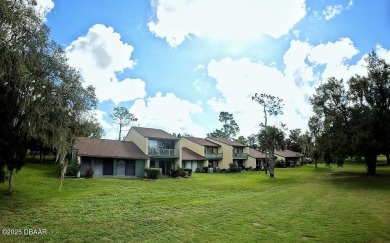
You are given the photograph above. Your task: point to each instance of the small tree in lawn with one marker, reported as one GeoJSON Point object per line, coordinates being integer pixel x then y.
{"type": "Point", "coordinates": [123, 118]}
{"type": "Point", "coordinates": [269, 135]}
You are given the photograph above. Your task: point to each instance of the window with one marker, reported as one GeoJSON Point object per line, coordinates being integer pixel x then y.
{"type": "Point", "coordinates": [161, 144]}
{"type": "Point", "coordinates": [209, 150]}
{"type": "Point", "coordinates": [238, 150]}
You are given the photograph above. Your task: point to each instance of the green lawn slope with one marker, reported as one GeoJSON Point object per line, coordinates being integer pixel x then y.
{"type": "Point", "coordinates": [300, 204]}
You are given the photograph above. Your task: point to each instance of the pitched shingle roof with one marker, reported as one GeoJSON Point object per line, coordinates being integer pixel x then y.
{"type": "Point", "coordinates": [154, 133]}
{"type": "Point", "coordinates": [287, 153]}
{"type": "Point", "coordinates": [108, 148]}
{"type": "Point", "coordinates": [256, 154]}
{"type": "Point", "coordinates": [226, 141]}
{"type": "Point", "coordinates": [188, 154]}
{"type": "Point", "coordinates": [203, 142]}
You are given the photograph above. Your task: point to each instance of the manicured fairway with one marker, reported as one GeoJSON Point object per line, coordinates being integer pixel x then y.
{"type": "Point", "coordinates": [300, 204]}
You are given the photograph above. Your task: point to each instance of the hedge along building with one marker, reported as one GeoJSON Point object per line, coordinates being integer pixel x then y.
{"type": "Point", "coordinates": [163, 149]}
{"type": "Point", "coordinates": [109, 157]}
{"type": "Point", "coordinates": [211, 152]}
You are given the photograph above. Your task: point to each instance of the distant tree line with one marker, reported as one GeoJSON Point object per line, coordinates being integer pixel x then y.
{"type": "Point", "coordinates": [352, 120]}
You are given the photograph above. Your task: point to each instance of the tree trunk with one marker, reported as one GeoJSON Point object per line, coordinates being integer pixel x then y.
{"type": "Point", "coordinates": [371, 164]}
{"type": "Point", "coordinates": [10, 182]}
{"type": "Point", "coordinates": [64, 166]}
{"type": "Point", "coordinates": [120, 131]}
{"type": "Point", "coordinates": [388, 158]}
{"type": "Point", "coordinates": [315, 165]}
{"type": "Point", "coordinates": [271, 164]}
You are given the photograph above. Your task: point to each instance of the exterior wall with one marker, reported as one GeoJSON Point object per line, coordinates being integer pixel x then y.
{"type": "Point", "coordinates": [178, 145]}
{"type": "Point", "coordinates": [227, 154]}
{"type": "Point", "coordinates": [140, 168]}
{"type": "Point", "coordinates": [143, 144]}
{"type": "Point", "coordinates": [139, 140]}
{"type": "Point", "coordinates": [250, 162]}
{"type": "Point", "coordinates": [199, 149]}
{"type": "Point", "coordinates": [119, 166]}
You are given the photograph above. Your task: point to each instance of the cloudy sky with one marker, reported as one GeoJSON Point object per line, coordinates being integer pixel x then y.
{"type": "Point", "coordinates": [175, 64]}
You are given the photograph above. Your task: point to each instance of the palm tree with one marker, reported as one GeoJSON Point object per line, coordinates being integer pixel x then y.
{"type": "Point", "coordinates": [271, 138]}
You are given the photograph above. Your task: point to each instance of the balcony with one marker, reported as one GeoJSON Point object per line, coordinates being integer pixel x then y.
{"type": "Point", "coordinates": [213, 156]}
{"type": "Point", "coordinates": [163, 153]}
{"type": "Point", "coordinates": [240, 156]}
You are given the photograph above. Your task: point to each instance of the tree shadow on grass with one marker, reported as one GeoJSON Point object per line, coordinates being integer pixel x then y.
{"type": "Point", "coordinates": [353, 179]}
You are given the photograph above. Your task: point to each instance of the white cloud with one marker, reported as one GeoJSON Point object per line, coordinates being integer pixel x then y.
{"type": "Point", "coordinates": [301, 59]}
{"type": "Point", "coordinates": [296, 64]}
{"type": "Point", "coordinates": [350, 4]}
{"type": "Point", "coordinates": [383, 53]}
{"type": "Point", "coordinates": [331, 11]}
{"type": "Point", "coordinates": [99, 55]}
{"type": "Point", "coordinates": [99, 115]}
{"type": "Point", "coordinates": [169, 113]}
{"type": "Point", "coordinates": [111, 130]}
{"type": "Point", "coordinates": [228, 20]}
{"type": "Point", "coordinates": [44, 7]}
{"type": "Point", "coordinates": [238, 80]}
{"type": "Point", "coordinates": [334, 56]}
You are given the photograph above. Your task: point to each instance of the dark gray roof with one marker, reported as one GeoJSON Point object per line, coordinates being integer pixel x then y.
{"type": "Point", "coordinates": [203, 142]}
{"type": "Point", "coordinates": [106, 148]}
{"type": "Point", "coordinates": [287, 153]}
{"type": "Point", "coordinates": [256, 154]}
{"type": "Point", "coordinates": [154, 133]}
{"type": "Point", "coordinates": [188, 154]}
{"type": "Point", "coordinates": [226, 141]}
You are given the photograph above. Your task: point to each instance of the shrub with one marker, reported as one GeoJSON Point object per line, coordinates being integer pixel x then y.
{"type": "Point", "coordinates": [3, 175]}
{"type": "Point", "coordinates": [234, 168]}
{"type": "Point", "coordinates": [189, 171]}
{"type": "Point", "coordinates": [223, 170]}
{"type": "Point", "coordinates": [181, 173]}
{"type": "Point", "coordinates": [175, 173]}
{"type": "Point", "coordinates": [72, 170]}
{"type": "Point", "coordinates": [205, 169]}
{"type": "Point", "coordinates": [152, 173]}
{"type": "Point", "coordinates": [184, 174]}
{"type": "Point", "coordinates": [280, 164]}
{"type": "Point", "coordinates": [197, 170]}
{"type": "Point", "coordinates": [89, 173]}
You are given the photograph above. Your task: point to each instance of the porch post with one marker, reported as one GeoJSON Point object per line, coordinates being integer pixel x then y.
{"type": "Point", "coordinates": [114, 165]}
{"type": "Point", "coordinates": [79, 164]}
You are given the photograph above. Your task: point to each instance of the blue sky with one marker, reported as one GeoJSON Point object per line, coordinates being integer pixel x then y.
{"type": "Point", "coordinates": [175, 64]}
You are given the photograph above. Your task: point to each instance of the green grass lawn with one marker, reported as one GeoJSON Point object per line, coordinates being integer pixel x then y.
{"type": "Point", "coordinates": [300, 204]}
